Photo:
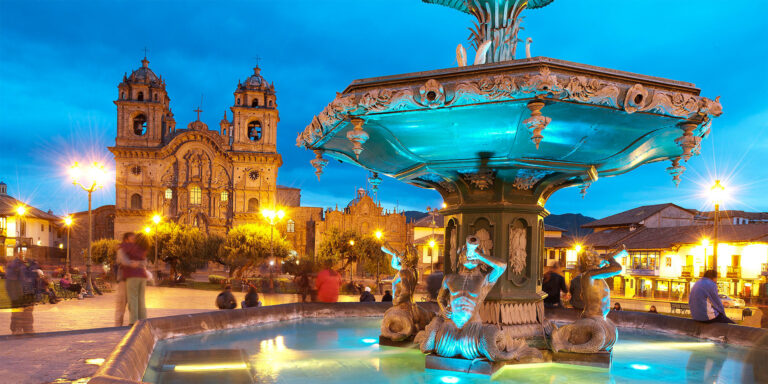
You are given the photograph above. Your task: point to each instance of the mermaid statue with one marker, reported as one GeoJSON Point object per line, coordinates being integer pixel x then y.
{"type": "Point", "coordinates": [592, 332]}
{"type": "Point", "coordinates": [459, 330]}
{"type": "Point", "coordinates": [405, 318]}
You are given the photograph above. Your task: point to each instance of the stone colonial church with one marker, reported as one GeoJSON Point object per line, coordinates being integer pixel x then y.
{"type": "Point", "coordinates": [217, 179]}
{"type": "Point", "coordinates": [212, 179]}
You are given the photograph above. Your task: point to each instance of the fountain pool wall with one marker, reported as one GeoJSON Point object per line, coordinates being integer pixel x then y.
{"type": "Point", "coordinates": [128, 362]}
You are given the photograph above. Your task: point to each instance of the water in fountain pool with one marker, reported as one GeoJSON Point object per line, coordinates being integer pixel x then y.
{"type": "Point", "coordinates": [347, 351]}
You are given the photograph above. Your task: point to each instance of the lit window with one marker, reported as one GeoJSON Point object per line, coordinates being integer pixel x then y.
{"type": "Point", "coordinates": [224, 196]}
{"type": "Point", "coordinates": [195, 196]}
{"type": "Point", "coordinates": [290, 226]}
{"type": "Point", "coordinates": [168, 194]}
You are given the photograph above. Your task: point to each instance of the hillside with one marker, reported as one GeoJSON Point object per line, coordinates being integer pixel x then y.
{"type": "Point", "coordinates": [571, 222]}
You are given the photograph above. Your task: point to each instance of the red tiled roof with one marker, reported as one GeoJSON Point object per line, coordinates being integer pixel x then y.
{"type": "Point", "coordinates": [632, 216]}
{"type": "Point", "coordinates": [8, 206]}
{"type": "Point", "coordinates": [667, 237]}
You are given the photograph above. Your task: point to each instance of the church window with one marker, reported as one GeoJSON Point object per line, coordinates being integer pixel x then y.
{"type": "Point", "coordinates": [136, 170]}
{"type": "Point", "coordinates": [270, 103]}
{"type": "Point", "coordinates": [122, 95]}
{"type": "Point", "coordinates": [168, 194]}
{"type": "Point", "coordinates": [136, 201]}
{"type": "Point", "coordinates": [255, 103]}
{"type": "Point", "coordinates": [253, 204]}
{"type": "Point", "coordinates": [195, 195]}
{"type": "Point", "coordinates": [254, 130]}
{"type": "Point", "coordinates": [140, 125]}
{"type": "Point", "coordinates": [155, 96]}
{"type": "Point", "coordinates": [290, 226]}
{"type": "Point", "coordinates": [140, 96]}
{"type": "Point", "coordinates": [238, 101]}
{"type": "Point", "coordinates": [224, 196]}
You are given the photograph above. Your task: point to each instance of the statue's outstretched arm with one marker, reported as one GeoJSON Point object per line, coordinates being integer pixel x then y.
{"type": "Point", "coordinates": [497, 266]}
{"type": "Point", "coordinates": [612, 269]}
{"type": "Point", "coordinates": [397, 263]}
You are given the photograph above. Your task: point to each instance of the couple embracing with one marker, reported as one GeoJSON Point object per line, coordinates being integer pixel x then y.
{"type": "Point", "coordinates": [132, 275]}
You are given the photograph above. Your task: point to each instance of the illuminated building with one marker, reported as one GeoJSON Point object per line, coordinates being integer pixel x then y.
{"type": "Point", "coordinates": [429, 239]}
{"type": "Point", "coordinates": [669, 249]}
{"type": "Point", "coordinates": [41, 232]}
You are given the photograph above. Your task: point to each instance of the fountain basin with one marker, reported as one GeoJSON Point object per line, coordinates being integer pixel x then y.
{"type": "Point", "coordinates": [344, 335]}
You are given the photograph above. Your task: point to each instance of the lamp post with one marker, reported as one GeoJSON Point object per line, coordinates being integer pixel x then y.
{"type": "Point", "coordinates": [21, 210]}
{"type": "Point", "coordinates": [89, 180]}
{"type": "Point", "coordinates": [432, 212]}
{"type": "Point", "coordinates": [156, 219]}
{"type": "Point", "coordinates": [273, 217]}
{"type": "Point", "coordinates": [432, 245]}
{"type": "Point", "coordinates": [68, 223]}
{"type": "Point", "coordinates": [717, 192]}
{"type": "Point", "coordinates": [378, 234]}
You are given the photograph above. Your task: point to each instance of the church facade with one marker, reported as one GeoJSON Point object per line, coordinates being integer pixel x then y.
{"type": "Point", "coordinates": [212, 179]}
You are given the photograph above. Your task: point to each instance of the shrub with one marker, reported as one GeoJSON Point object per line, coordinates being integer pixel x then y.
{"type": "Point", "coordinates": [217, 279]}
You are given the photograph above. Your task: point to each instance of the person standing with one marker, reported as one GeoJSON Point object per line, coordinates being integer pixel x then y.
{"type": "Point", "coordinates": [387, 296]}
{"type": "Point", "coordinates": [122, 260]}
{"type": "Point", "coordinates": [16, 276]}
{"type": "Point", "coordinates": [575, 290]}
{"type": "Point", "coordinates": [367, 296]}
{"type": "Point", "coordinates": [328, 283]}
{"type": "Point", "coordinates": [302, 285]}
{"type": "Point", "coordinates": [704, 301]}
{"type": "Point", "coordinates": [553, 284]}
{"type": "Point", "coordinates": [135, 276]}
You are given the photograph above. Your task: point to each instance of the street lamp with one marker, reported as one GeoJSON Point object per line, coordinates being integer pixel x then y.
{"type": "Point", "coordinates": [68, 223]}
{"type": "Point", "coordinates": [717, 194]}
{"type": "Point", "coordinates": [273, 216]}
{"type": "Point", "coordinates": [156, 219]}
{"type": "Point", "coordinates": [378, 234]}
{"type": "Point", "coordinates": [352, 242]}
{"type": "Point", "coordinates": [89, 179]}
{"type": "Point", "coordinates": [704, 245]}
{"type": "Point", "coordinates": [432, 252]}
{"type": "Point", "coordinates": [21, 210]}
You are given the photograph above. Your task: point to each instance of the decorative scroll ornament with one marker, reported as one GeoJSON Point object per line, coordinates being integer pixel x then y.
{"type": "Point", "coordinates": [517, 250]}
{"type": "Point", "coordinates": [676, 170]}
{"type": "Point", "coordinates": [583, 188]}
{"type": "Point", "coordinates": [688, 142]}
{"type": "Point", "coordinates": [374, 181]}
{"type": "Point", "coordinates": [482, 179]}
{"type": "Point", "coordinates": [319, 163]}
{"type": "Point", "coordinates": [634, 99]}
{"type": "Point", "coordinates": [592, 91]}
{"type": "Point", "coordinates": [537, 122]}
{"type": "Point", "coordinates": [357, 136]}
{"type": "Point", "coordinates": [527, 178]}
{"type": "Point", "coordinates": [432, 94]}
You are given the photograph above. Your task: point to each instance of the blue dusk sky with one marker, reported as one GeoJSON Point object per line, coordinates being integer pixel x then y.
{"type": "Point", "coordinates": [61, 62]}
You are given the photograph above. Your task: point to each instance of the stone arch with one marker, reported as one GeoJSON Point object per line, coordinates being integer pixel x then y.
{"type": "Point", "coordinates": [254, 130]}
{"type": "Point", "coordinates": [140, 96]}
{"type": "Point", "coordinates": [253, 204]}
{"type": "Point", "coordinates": [140, 124]}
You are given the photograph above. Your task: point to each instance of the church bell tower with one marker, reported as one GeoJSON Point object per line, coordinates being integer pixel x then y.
{"type": "Point", "coordinates": [255, 115]}
{"type": "Point", "coordinates": [144, 118]}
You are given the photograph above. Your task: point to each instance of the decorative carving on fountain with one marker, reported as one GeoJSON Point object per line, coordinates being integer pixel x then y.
{"type": "Point", "coordinates": [537, 122]}
{"type": "Point", "coordinates": [459, 329]}
{"type": "Point", "coordinates": [592, 91]}
{"type": "Point", "coordinates": [688, 142]}
{"type": "Point", "coordinates": [319, 163]}
{"type": "Point", "coordinates": [357, 136]}
{"type": "Point", "coordinates": [481, 179]}
{"type": "Point", "coordinates": [374, 181]}
{"type": "Point", "coordinates": [584, 187]}
{"type": "Point", "coordinates": [405, 318]}
{"type": "Point", "coordinates": [517, 249]}
{"type": "Point", "coordinates": [592, 332]}
{"type": "Point", "coordinates": [432, 94]}
{"type": "Point", "coordinates": [527, 178]}
{"type": "Point", "coordinates": [676, 170]}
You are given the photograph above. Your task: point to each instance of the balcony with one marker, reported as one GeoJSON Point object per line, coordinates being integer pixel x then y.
{"type": "Point", "coordinates": [733, 273]}
{"type": "Point", "coordinates": [687, 271]}
{"type": "Point", "coordinates": [764, 270]}
{"type": "Point", "coordinates": [642, 270]}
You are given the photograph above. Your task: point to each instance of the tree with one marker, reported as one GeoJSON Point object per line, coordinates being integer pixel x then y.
{"type": "Point", "coordinates": [183, 248]}
{"type": "Point", "coordinates": [294, 265]}
{"type": "Point", "coordinates": [335, 248]}
{"type": "Point", "coordinates": [372, 258]}
{"type": "Point", "coordinates": [104, 251]}
{"type": "Point", "coordinates": [247, 246]}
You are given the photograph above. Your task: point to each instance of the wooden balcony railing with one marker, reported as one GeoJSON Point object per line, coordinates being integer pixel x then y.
{"type": "Point", "coordinates": [687, 271]}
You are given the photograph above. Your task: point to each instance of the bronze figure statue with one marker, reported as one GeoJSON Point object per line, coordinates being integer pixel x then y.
{"type": "Point", "coordinates": [405, 318]}
{"type": "Point", "coordinates": [459, 330]}
{"type": "Point", "coordinates": [592, 332]}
